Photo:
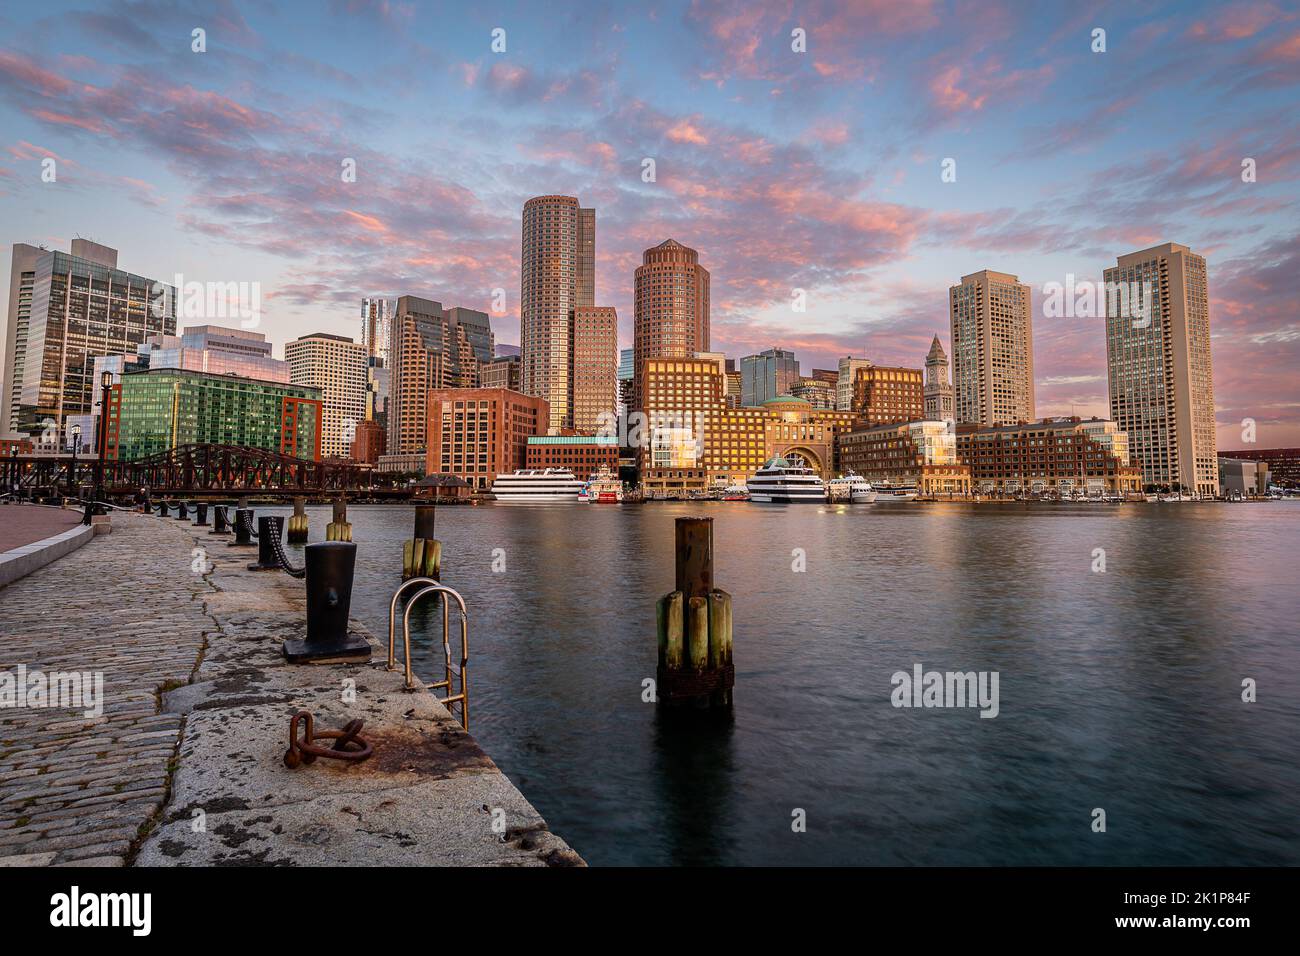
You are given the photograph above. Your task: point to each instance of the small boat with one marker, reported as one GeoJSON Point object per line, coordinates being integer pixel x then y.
{"type": "Point", "coordinates": [735, 493]}
{"type": "Point", "coordinates": [852, 487]}
{"type": "Point", "coordinates": [786, 481]}
{"type": "Point", "coordinates": [890, 493]}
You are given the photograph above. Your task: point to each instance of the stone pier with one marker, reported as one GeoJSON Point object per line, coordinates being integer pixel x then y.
{"type": "Point", "coordinates": [184, 766]}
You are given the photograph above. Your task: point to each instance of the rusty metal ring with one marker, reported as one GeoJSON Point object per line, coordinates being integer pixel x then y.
{"type": "Point", "coordinates": [348, 742]}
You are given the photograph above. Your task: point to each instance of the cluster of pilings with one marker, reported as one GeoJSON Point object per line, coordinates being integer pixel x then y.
{"type": "Point", "coordinates": [695, 627]}
{"type": "Point", "coordinates": [296, 530]}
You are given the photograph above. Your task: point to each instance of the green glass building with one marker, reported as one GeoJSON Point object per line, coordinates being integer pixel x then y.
{"type": "Point", "coordinates": [159, 409]}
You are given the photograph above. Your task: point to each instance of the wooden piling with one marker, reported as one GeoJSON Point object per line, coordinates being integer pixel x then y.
{"type": "Point", "coordinates": [422, 555]}
{"type": "Point", "coordinates": [694, 624]}
{"type": "Point", "coordinates": [340, 529]}
{"type": "Point", "coordinates": [296, 529]}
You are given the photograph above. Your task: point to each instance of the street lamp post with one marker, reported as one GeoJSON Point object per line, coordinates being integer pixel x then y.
{"type": "Point", "coordinates": [106, 382]}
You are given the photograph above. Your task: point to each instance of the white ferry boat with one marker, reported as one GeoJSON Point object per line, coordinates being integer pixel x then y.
{"type": "Point", "coordinates": [537, 484]}
{"type": "Point", "coordinates": [888, 493]}
{"type": "Point", "coordinates": [785, 481]}
{"type": "Point", "coordinates": [852, 487]}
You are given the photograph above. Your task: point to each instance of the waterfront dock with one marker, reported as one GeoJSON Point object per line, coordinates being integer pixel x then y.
{"type": "Point", "coordinates": [185, 764]}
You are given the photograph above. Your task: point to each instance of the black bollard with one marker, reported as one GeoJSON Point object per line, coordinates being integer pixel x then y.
{"type": "Point", "coordinates": [269, 529]}
{"type": "Point", "coordinates": [243, 528]}
{"type": "Point", "coordinates": [182, 513]}
{"type": "Point", "coordinates": [162, 509]}
{"type": "Point", "coordinates": [201, 514]}
{"type": "Point", "coordinates": [330, 568]}
{"type": "Point", "coordinates": [220, 523]}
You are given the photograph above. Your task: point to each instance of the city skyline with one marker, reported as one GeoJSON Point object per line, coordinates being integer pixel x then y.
{"type": "Point", "coordinates": [774, 170]}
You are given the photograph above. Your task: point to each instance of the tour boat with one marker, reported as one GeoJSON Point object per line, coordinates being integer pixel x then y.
{"type": "Point", "coordinates": [851, 487]}
{"type": "Point", "coordinates": [537, 484]}
{"type": "Point", "coordinates": [735, 493]}
{"type": "Point", "coordinates": [888, 493]}
{"type": "Point", "coordinates": [604, 488]}
{"type": "Point", "coordinates": [786, 481]}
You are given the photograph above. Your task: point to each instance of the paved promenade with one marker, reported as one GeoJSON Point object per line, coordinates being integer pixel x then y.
{"type": "Point", "coordinates": [26, 524]}
{"type": "Point", "coordinates": [184, 766]}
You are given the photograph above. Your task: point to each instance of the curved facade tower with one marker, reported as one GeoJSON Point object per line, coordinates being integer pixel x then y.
{"type": "Point", "coordinates": [672, 304]}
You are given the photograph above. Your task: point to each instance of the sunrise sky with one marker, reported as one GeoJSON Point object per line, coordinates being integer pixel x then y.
{"type": "Point", "coordinates": [816, 170]}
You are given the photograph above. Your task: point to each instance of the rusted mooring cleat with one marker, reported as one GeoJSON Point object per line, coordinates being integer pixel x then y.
{"type": "Point", "coordinates": [348, 742]}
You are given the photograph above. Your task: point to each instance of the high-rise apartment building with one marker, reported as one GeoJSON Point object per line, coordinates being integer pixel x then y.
{"type": "Point", "coordinates": [767, 375]}
{"type": "Point", "coordinates": [557, 276]}
{"type": "Point", "coordinates": [1161, 379]}
{"type": "Point", "coordinates": [595, 368]}
{"type": "Point", "coordinates": [432, 347]}
{"type": "Point", "coordinates": [65, 309]}
{"type": "Point", "coordinates": [938, 385]}
{"type": "Point", "coordinates": [672, 303]}
{"type": "Point", "coordinates": [992, 349]}
{"type": "Point", "coordinates": [376, 328]}
{"type": "Point", "coordinates": [336, 366]}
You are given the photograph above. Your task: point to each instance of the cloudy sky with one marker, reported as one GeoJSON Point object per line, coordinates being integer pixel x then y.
{"type": "Point", "coordinates": [817, 170]}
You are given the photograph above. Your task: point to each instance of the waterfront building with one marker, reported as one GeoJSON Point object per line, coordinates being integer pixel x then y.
{"type": "Point", "coordinates": [1283, 463]}
{"type": "Point", "coordinates": [501, 372]}
{"type": "Point", "coordinates": [479, 433]}
{"type": "Point", "coordinates": [883, 394]}
{"type": "Point", "coordinates": [557, 276]}
{"type": "Point", "coordinates": [156, 410]}
{"type": "Point", "coordinates": [595, 368]}
{"type": "Point", "coordinates": [1243, 476]}
{"type": "Point", "coordinates": [918, 454]}
{"type": "Point", "coordinates": [672, 303]}
{"type": "Point", "coordinates": [337, 367]}
{"type": "Point", "coordinates": [766, 375]}
{"type": "Point", "coordinates": [992, 349]}
{"type": "Point", "coordinates": [938, 385]}
{"type": "Point", "coordinates": [584, 455]}
{"type": "Point", "coordinates": [845, 376]}
{"type": "Point", "coordinates": [368, 443]}
{"type": "Point", "coordinates": [432, 347]}
{"type": "Point", "coordinates": [1159, 372]}
{"type": "Point", "coordinates": [1059, 455]}
{"type": "Point", "coordinates": [64, 309]}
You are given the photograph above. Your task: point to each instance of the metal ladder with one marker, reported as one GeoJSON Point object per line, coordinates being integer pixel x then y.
{"type": "Point", "coordinates": [433, 587]}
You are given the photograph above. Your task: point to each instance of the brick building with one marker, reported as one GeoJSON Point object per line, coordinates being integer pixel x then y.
{"type": "Point", "coordinates": [920, 454]}
{"type": "Point", "coordinates": [479, 433]}
{"type": "Point", "coordinates": [584, 455]}
{"type": "Point", "coordinates": [885, 395]}
{"type": "Point", "coordinates": [1060, 455]}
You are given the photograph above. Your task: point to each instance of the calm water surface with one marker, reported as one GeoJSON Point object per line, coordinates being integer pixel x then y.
{"type": "Point", "coordinates": [1119, 690]}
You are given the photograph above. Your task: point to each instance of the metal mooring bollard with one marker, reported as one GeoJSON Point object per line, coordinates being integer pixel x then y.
{"type": "Point", "coordinates": [243, 528]}
{"type": "Point", "coordinates": [162, 509]}
{"type": "Point", "coordinates": [201, 514]}
{"type": "Point", "coordinates": [269, 530]}
{"type": "Point", "coordinates": [220, 523]}
{"type": "Point", "coordinates": [695, 625]}
{"type": "Point", "coordinates": [182, 513]}
{"type": "Point", "coordinates": [330, 569]}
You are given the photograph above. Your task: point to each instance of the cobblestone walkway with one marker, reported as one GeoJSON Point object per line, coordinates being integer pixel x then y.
{"type": "Point", "coordinates": [79, 790]}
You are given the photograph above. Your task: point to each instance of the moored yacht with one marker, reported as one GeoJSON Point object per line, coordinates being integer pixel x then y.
{"type": "Point", "coordinates": [785, 481]}
{"type": "Point", "coordinates": [851, 487]}
{"type": "Point", "coordinates": [537, 484]}
{"type": "Point", "coordinates": [604, 488]}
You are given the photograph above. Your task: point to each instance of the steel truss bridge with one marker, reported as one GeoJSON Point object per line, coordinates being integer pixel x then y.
{"type": "Point", "coordinates": [194, 470]}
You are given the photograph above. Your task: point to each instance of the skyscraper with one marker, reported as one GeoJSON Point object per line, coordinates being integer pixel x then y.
{"type": "Point", "coordinates": [938, 386]}
{"type": "Point", "coordinates": [337, 366]}
{"type": "Point", "coordinates": [65, 309]}
{"type": "Point", "coordinates": [431, 347]}
{"type": "Point", "coordinates": [672, 303]}
{"type": "Point", "coordinates": [376, 329]}
{"type": "Point", "coordinates": [992, 349]}
{"type": "Point", "coordinates": [848, 370]}
{"type": "Point", "coordinates": [595, 368]}
{"type": "Point", "coordinates": [767, 375]}
{"type": "Point", "coordinates": [1160, 375]}
{"type": "Point", "coordinates": [557, 276]}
